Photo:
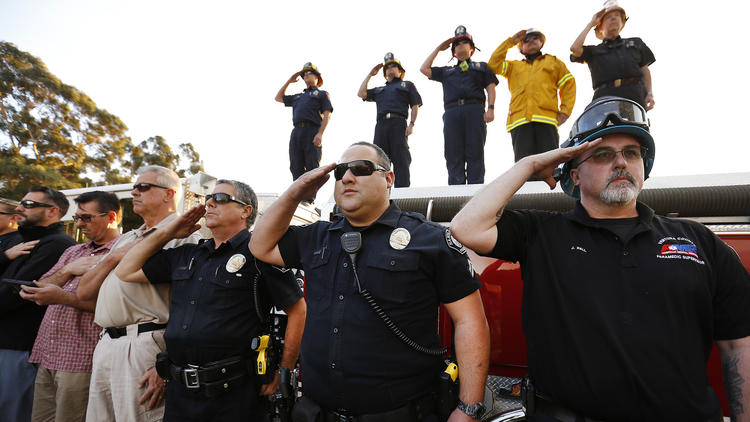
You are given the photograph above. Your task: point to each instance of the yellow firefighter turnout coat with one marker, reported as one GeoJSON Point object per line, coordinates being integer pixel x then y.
{"type": "Point", "coordinates": [533, 87]}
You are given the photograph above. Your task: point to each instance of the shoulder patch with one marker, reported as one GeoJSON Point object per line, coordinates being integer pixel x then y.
{"type": "Point", "coordinates": [453, 243]}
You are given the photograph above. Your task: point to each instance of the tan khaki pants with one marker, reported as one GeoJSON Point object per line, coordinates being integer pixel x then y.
{"type": "Point", "coordinates": [118, 366]}
{"type": "Point", "coordinates": [60, 396]}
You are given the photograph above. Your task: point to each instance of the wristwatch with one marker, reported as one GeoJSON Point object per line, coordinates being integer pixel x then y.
{"type": "Point", "coordinates": [474, 411]}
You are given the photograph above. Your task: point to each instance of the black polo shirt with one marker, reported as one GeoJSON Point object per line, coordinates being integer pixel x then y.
{"type": "Point", "coordinates": [617, 59]}
{"type": "Point", "coordinates": [350, 359]}
{"type": "Point", "coordinates": [464, 84]}
{"type": "Point", "coordinates": [308, 105]}
{"type": "Point", "coordinates": [212, 314]}
{"type": "Point", "coordinates": [618, 328]}
{"type": "Point", "coordinates": [396, 96]}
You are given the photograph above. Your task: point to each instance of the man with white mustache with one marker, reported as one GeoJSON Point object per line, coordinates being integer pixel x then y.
{"type": "Point", "coordinates": [620, 306]}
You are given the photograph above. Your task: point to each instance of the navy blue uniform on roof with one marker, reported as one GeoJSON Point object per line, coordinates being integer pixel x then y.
{"type": "Point", "coordinates": [213, 317]}
{"type": "Point", "coordinates": [307, 108]}
{"type": "Point", "coordinates": [464, 129]}
{"type": "Point", "coordinates": [393, 101]}
{"type": "Point", "coordinates": [350, 359]}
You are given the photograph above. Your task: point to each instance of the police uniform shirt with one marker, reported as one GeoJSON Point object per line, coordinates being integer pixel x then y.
{"type": "Point", "coordinates": [308, 105]}
{"type": "Point", "coordinates": [615, 59]}
{"type": "Point", "coordinates": [350, 359]}
{"type": "Point", "coordinates": [621, 328]}
{"type": "Point", "coordinates": [469, 84]}
{"type": "Point", "coordinates": [396, 96]}
{"type": "Point", "coordinates": [212, 310]}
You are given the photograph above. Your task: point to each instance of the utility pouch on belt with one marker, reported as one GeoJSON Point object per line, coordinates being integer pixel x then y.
{"type": "Point", "coordinates": [162, 365]}
{"type": "Point", "coordinates": [448, 390]}
{"type": "Point", "coordinates": [306, 410]}
{"type": "Point", "coordinates": [528, 396]}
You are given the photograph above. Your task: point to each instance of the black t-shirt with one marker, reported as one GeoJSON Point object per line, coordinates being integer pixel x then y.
{"type": "Point", "coordinates": [621, 330]}
{"type": "Point", "coordinates": [350, 359]}
{"type": "Point", "coordinates": [619, 58]}
{"type": "Point", "coordinates": [212, 313]}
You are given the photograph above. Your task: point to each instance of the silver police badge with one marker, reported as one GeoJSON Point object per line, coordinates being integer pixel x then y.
{"type": "Point", "coordinates": [235, 263]}
{"type": "Point", "coordinates": [400, 238]}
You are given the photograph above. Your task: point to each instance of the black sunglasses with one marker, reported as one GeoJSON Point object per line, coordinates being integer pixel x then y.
{"type": "Point", "coordinates": [28, 204]}
{"type": "Point", "coordinates": [143, 187]}
{"type": "Point", "coordinates": [358, 168]}
{"type": "Point", "coordinates": [223, 198]}
{"type": "Point", "coordinates": [86, 218]}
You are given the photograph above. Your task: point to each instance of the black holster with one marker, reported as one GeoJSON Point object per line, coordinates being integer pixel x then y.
{"type": "Point", "coordinates": [306, 410]}
{"type": "Point", "coordinates": [447, 396]}
{"type": "Point", "coordinates": [162, 366]}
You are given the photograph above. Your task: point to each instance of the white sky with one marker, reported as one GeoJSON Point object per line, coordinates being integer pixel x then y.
{"type": "Point", "coordinates": [207, 72]}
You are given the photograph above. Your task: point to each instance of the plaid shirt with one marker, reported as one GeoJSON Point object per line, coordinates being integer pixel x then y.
{"type": "Point", "coordinates": [68, 336]}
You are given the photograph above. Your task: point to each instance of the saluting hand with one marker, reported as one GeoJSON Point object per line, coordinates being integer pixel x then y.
{"type": "Point", "coordinates": [445, 44]}
{"type": "Point", "coordinates": [307, 185]}
{"type": "Point", "coordinates": [544, 164]}
{"type": "Point", "coordinates": [520, 35]}
{"type": "Point", "coordinates": [184, 225]}
{"type": "Point", "coordinates": [597, 18]}
{"type": "Point", "coordinates": [294, 78]}
{"type": "Point", "coordinates": [374, 71]}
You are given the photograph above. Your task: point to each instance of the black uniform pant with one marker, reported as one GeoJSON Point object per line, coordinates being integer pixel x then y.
{"type": "Point", "coordinates": [390, 135]}
{"type": "Point", "coordinates": [534, 138]}
{"type": "Point", "coordinates": [303, 154]}
{"type": "Point", "coordinates": [239, 404]}
{"type": "Point", "coordinates": [465, 133]}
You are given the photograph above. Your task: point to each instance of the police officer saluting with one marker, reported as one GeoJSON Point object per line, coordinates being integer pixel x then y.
{"type": "Point", "coordinates": [393, 103]}
{"type": "Point", "coordinates": [375, 256]}
{"type": "Point", "coordinates": [465, 120]}
{"type": "Point", "coordinates": [213, 313]}
{"type": "Point", "coordinates": [311, 111]}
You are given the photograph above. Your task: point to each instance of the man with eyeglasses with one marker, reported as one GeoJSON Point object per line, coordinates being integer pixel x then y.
{"type": "Point", "coordinates": [67, 335]}
{"type": "Point", "coordinates": [394, 100]}
{"type": "Point", "coordinates": [213, 308]}
{"type": "Point", "coordinates": [41, 238]}
{"type": "Point", "coordinates": [534, 83]}
{"type": "Point", "coordinates": [357, 366]}
{"type": "Point", "coordinates": [124, 383]}
{"type": "Point", "coordinates": [311, 111]}
{"type": "Point", "coordinates": [621, 306]}
{"type": "Point", "coordinates": [465, 119]}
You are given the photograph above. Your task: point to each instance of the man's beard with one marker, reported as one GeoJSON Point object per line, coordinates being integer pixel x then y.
{"type": "Point", "coordinates": [621, 193]}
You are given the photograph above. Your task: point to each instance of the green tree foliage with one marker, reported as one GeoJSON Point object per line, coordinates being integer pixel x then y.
{"type": "Point", "coordinates": [53, 134]}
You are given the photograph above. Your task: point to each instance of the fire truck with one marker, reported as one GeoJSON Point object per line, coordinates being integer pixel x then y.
{"type": "Point", "coordinates": [720, 201]}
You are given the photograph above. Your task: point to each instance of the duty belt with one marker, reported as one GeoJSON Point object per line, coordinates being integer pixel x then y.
{"type": "Point", "coordinates": [416, 410]}
{"type": "Point", "coordinates": [117, 332]}
{"type": "Point", "coordinates": [213, 378]}
{"type": "Point", "coordinates": [386, 116]}
{"type": "Point", "coordinates": [463, 101]}
{"type": "Point", "coordinates": [619, 82]}
{"type": "Point", "coordinates": [306, 124]}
